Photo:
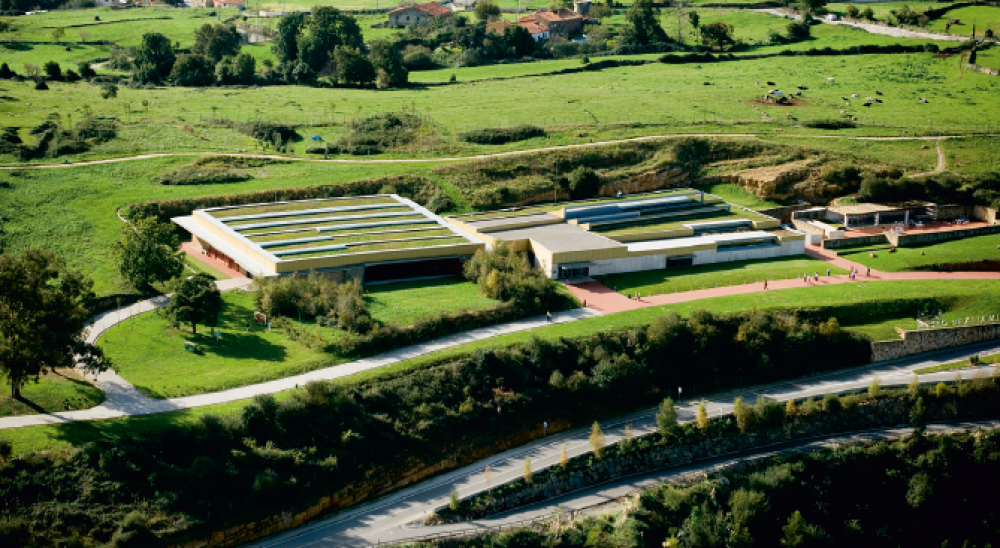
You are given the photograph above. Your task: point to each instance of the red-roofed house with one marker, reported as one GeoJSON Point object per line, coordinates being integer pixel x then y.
{"type": "Point", "coordinates": [417, 14]}
{"type": "Point", "coordinates": [537, 30]}
{"type": "Point", "coordinates": [562, 22]}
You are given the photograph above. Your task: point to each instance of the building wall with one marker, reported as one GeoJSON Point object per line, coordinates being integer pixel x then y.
{"type": "Point", "coordinates": [860, 240]}
{"type": "Point", "coordinates": [922, 238]}
{"type": "Point", "coordinates": [213, 226]}
{"type": "Point", "coordinates": [407, 17]}
{"type": "Point", "coordinates": [347, 259]}
{"type": "Point", "coordinates": [627, 264]}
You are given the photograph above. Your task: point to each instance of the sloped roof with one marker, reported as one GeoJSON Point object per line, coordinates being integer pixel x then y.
{"type": "Point", "coordinates": [559, 16]}
{"type": "Point", "coordinates": [430, 8]}
{"type": "Point", "coordinates": [498, 26]}
{"type": "Point", "coordinates": [533, 27]}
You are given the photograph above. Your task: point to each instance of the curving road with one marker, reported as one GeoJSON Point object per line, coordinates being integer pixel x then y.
{"type": "Point", "coordinates": [384, 519]}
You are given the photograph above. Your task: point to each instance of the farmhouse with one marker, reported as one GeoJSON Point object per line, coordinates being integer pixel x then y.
{"type": "Point", "coordinates": [417, 14]}
{"type": "Point", "coordinates": [372, 238]}
{"type": "Point", "coordinates": [652, 231]}
{"type": "Point", "coordinates": [562, 22]}
{"type": "Point", "coordinates": [537, 30]}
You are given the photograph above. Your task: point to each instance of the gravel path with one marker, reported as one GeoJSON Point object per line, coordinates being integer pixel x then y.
{"type": "Point", "coordinates": [871, 27]}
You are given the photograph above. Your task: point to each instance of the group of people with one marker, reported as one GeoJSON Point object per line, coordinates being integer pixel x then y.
{"type": "Point", "coordinates": [806, 277]}
{"type": "Point", "coordinates": [855, 271]}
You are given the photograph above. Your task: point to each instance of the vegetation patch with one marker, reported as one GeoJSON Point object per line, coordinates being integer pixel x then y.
{"type": "Point", "coordinates": [58, 390]}
{"type": "Point", "coordinates": [499, 136]}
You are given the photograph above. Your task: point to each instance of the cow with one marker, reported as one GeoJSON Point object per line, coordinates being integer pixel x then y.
{"type": "Point", "coordinates": [830, 80]}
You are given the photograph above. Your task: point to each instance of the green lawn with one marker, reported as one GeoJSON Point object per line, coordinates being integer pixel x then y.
{"type": "Point", "coordinates": [914, 156]}
{"type": "Point", "coordinates": [150, 354]}
{"type": "Point", "coordinates": [960, 364]}
{"type": "Point", "coordinates": [978, 248]}
{"type": "Point", "coordinates": [989, 58]}
{"type": "Point", "coordinates": [672, 280]}
{"type": "Point", "coordinates": [58, 391]}
{"type": "Point", "coordinates": [404, 303]}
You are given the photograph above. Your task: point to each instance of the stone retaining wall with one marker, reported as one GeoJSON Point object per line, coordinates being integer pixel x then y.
{"type": "Point", "coordinates": [855, 241]}
{"type": "Point", "coordinates": [935, 338]}
{"type": "Point", "coordinates": [784, 214]}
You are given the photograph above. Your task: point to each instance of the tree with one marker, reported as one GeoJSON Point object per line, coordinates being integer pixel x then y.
{"type": "Point", "coordinates": [84, 35]}
{"type": "Point", "coordinates": [875, 388]}
{"type": "Point", "coordinates": [53, 71]}
{"type": "Point", "coordinates": [799, 30]}
{"type": "Point", "coordinates": [596, 439]}
{"type": "Point", "coordinates": [85, 70]}
{"type": "Point", "coordinates": [147, 253]}
{"type": "Point", "coordinates": [238, 70]}
{"type": "Point", "coordinates": [216, 41]}
{"type": "Point", "coordinates": [154, 59]}
{"type": "Point", "coordinates": [583, 182]}
{"type": "Point", "coordinates": [109, 91]}
{"type": "Point", "coordinates": [6, 73]}
{"type": "Point", "coordinates": [352, 67]}
{"type": "Point", "coordinates": [701, 416]}
{"type": "Point", "coordinates": [798, 533]}
{"type": "Point", "coordinates": [193, 71]}
{"type": "Point", "coordinates": [196, 300]}
{"type": "Point", "coordinates": [808, 6]}
{"type": "Point", "coordinates": [43, 312]}
{"type": "Point", "coordinates": [717, 36]}
{"type": "Point", "coordinates": [328, 30]}
{"type": "Point", "coordinates": [666, 418]}
{"type": "Point", "coordinates": [694, 19]}
{"type": "Point", "coordinates": [286, 41]}
{"type": "Point", "coordinates": [58, 34]}
{"type": "Point", "coordinates": [487, 10]}
{"type": "Point", "coordinates": [643, 25]}
{"type": "Point", "coordinates": [385, 56]}
{"type": "Point", "coordinates": [745, 415]}
{"type": "Point", "coordinates": [918, 418]}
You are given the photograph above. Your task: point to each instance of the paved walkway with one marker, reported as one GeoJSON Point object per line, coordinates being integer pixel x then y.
{"type": "Point", "coordinates": [197, 255]}
{"type": "Point", "coordinates": [386, 518]}
{"type": "Point", "coordinates": [123, 399]}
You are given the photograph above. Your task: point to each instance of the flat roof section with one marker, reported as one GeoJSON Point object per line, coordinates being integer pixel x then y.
{"type": "Point", "coordinates": [558, 238]}
{"type": "Point", "coordinates": [515, 220]}
{"type": "Point", "coordinates": [676, 243]}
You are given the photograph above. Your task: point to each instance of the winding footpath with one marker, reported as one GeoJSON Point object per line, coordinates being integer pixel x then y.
{"type": "Point", "coordinates": [392, 517]}
{"type": "Point", "coordinates": [481, 156]}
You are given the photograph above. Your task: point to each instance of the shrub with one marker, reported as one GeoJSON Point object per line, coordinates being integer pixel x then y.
{"type": "Point", "coordinates": [40, 85]}
{"type": "Point", "coordinates": [499, 136]}
{"type": "Point", "coordinates": [583, 182]}
{"type": "Point", "coordinates": [193, 175]}
{"type": "Point", "coordinates": [268, 132]}
{"type": "Point", "coordinates": [746, 417]}
{"type": "Point", "coordinates": [852, 11]}
{"type": "Point", "coordinates": [666, 418]}
{"type": "Point", "coordinates": [53, 71]}
{"type": "Point", "coordinates": [830, 124]}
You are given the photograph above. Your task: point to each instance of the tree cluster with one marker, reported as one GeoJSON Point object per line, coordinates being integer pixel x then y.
{"type": "Point", "coordinates": [314, 296]}
{"type": "Point", "coordinates": [275, 455]}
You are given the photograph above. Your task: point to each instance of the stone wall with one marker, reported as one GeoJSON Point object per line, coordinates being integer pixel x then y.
{"type": "Point", "coordinates": [645, 455]}
{"type": "Point", "coordinates": [807, 227]}
{"type": "Point", "coordinates": [923, 238]}
{"type": "Point", "coordinates": [856, 241]}
{"type": "Point", "coordinates": [984, 70]}
{"type": "Point", "coordinates": [934, 338]}
{"type": "Point", "coordinates": [646, 182]}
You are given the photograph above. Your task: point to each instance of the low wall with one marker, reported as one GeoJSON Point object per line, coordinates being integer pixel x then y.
{"type": "Point", "coordinates": [984, 70]}
{"type": "Point", "coordinates": [934, 338]}
{"type": "Point", "coordinates": [923, 238]}
{"type": "Point", "coordinates": [856, 241]}
{"type": "Point", "coordinates": [985, 214]}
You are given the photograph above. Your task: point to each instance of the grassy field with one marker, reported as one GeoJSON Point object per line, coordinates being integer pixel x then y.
{"type": "Point", "coordinates": [673, 280]}
{"type": "Point", "coordinates": [198, 266]}
{"type": "Point", "coordinates": [406, 302]}
{"type": "Point", "coordinates": [915, 156]}
{"type": "Point", "coordinates": [853, 304]}
{"type": "Point", "coordinates": [983, 17]}
{"type": "Point", "coordinates": [150, 354]}
{"type": "Point", "coordinates": [978, 248]}
{"type": "Point", "coordinates": [84, 199]}
{"type": "Point", "coordinates": [61, 390]}
{"type": "Point", "coordinates": [960, 364]}
{"type": "Point", "coordinates": [974, 156]}
{"type": "Point", "coordinates": [661, 98]}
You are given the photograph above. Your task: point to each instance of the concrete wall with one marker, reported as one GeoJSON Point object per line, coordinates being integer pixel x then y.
{"type": "Point", "coordinates": [985, 214]}
{"type": "Point", "coordinates": [923, 238]}
{"type": "Point", "coordinates": [859, 240]}
{"type": "Point", "coordinates": [783, 214]}
{"type": "Point", "coordinates": [748, 254]}
{"type": "Point", "coordinates": [628, 264]}
{"type": "Point", "coordinates": [934, 338]}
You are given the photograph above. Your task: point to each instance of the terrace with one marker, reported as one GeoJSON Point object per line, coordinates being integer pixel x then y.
{"type": "Point", "coordinates": [716, 219]}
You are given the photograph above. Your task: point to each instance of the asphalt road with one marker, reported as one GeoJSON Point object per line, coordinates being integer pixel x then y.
{"type": "Point", "coordinates": [384, 519]}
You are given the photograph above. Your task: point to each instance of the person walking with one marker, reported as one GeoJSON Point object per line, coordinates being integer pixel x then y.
{"type": "Point", "coordinates": [548, 316]}
{"type": "Point", "coordinates": [828, 273]}
{"type": "Point", "coordinates": [868, 274]}
{"type": "Point", "coordinates": [765, 285]}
